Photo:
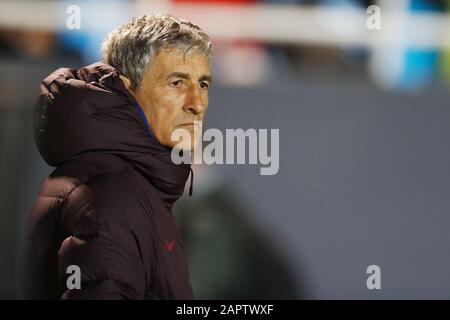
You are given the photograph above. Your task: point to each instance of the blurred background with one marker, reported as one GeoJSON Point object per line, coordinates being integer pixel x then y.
{"type": "Point", "coordinates": [361, 98]}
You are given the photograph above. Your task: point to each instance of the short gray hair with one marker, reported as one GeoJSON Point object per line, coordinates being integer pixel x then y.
{"type": "Point", "coordinates": [131, 47]}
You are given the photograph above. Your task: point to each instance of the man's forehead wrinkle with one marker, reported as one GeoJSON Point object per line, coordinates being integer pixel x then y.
{"type": "Point", "coordinates": [170, 61]}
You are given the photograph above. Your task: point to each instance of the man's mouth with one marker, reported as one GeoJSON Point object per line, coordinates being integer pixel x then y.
{"type": "Point", "coordinates": [190, 125]}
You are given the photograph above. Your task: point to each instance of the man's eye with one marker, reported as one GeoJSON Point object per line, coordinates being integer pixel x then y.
{"type": "Point", "coordinates": [176, 83]}
{"type": "Point", "coordinates": [204, 85]}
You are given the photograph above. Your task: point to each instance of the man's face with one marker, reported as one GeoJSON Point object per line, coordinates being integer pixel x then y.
{"type": "Point", "coordinates": [174, 93]}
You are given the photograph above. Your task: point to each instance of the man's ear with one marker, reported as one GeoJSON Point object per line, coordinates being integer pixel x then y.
{"type": "Point", "coordinates": [126, 82]}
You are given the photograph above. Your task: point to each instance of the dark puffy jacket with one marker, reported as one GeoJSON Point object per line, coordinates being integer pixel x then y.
{"type": "Point", "coordinates": [106, 208]}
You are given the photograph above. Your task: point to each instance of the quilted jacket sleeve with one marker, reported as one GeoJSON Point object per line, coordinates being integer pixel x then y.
{"type": "Point", "coordinates": [106, 265]}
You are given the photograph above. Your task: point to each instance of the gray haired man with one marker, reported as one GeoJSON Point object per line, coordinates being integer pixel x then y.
{"type": "Point", "coordinates": [102, 225]}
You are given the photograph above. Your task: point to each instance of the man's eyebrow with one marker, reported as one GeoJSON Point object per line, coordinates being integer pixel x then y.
{"type": "Point", "coordinates": [178, 74]}
{"type": "Point", "coordinates": [205, 78]}
{"type": "Point", "coordinates": [183, 75]}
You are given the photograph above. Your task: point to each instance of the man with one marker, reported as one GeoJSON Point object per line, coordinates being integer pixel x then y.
{"type": "Point", "coordinates": [105, 212]}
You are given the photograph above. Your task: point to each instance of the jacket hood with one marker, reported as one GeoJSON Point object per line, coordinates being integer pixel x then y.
{"type": "Point", "coordinates": [90, 110]}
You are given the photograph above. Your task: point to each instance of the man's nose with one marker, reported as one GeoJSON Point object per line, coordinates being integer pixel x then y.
{"type": "Point", "coordinates": [195, 102]}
